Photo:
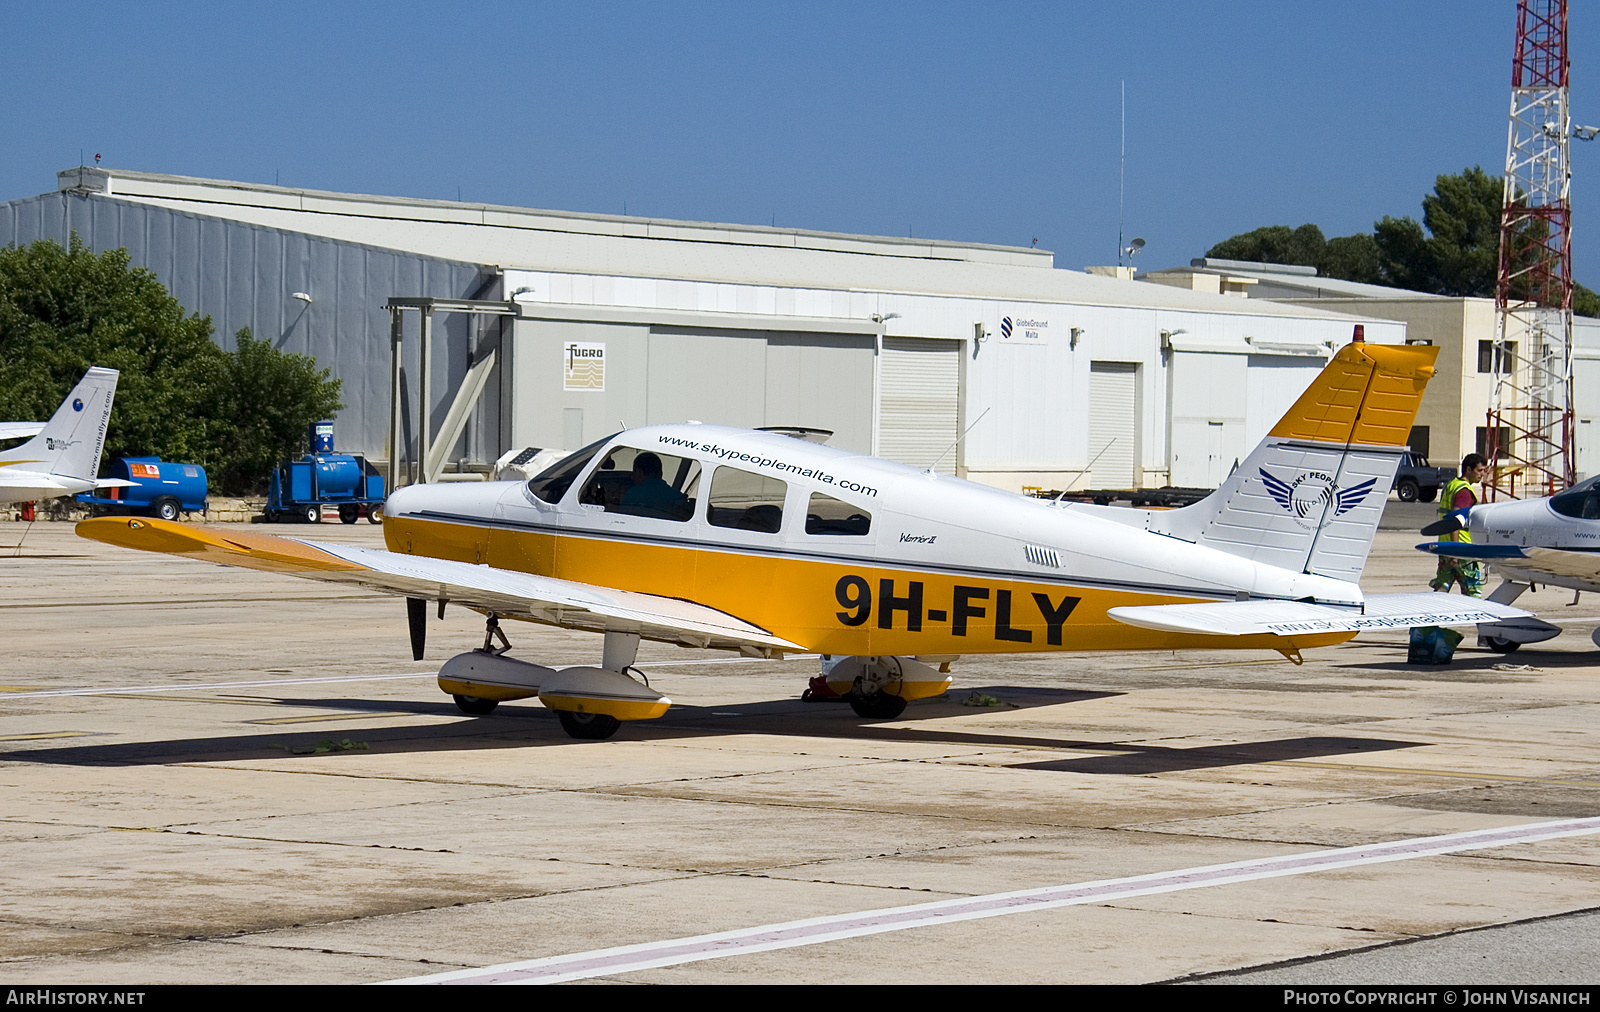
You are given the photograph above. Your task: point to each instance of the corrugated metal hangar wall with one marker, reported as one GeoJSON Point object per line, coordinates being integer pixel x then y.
{"type": "Point", "coordinates": [244, 275]}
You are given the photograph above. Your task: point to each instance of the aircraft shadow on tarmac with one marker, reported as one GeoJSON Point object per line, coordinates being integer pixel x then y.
{"type": "Point", "coordinates": [1473, 665]}
{"type": "Point", "coordinates": [531, 726]}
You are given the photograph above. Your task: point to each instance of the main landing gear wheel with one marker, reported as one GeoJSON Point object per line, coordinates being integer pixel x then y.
{"type": "Point", "coordinates": [588, 725]}
{"type": "Point", "coordinates": [1501, 646]}
{"type": "Point", "coordinates": [877, 705]}
{"type": "Point", "coordinates": [476, 705]}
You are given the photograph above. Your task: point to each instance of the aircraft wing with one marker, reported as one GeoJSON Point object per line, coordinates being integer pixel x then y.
{"type": "Point", "coordinates": [1554, 562]}
{"type": "Point", "coordinates": [505, 593]}
{"type": "Point", "coordinates": [1300, 618]}
{"type": "Point", "coordinates": [20, 430]}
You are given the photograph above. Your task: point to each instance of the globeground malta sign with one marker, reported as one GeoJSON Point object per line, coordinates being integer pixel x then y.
{"type": "Point", "coordinates": [583, 366]}
{"type": "Point", "coordinates": [1024, 329]}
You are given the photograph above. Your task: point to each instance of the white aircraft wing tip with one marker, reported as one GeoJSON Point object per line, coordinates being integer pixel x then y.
{"type": "Point", "coordinates": [1305, 618]}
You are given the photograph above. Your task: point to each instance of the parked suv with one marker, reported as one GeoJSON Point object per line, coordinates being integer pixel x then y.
{"type": "Point", "coordinates": [1415, 480]}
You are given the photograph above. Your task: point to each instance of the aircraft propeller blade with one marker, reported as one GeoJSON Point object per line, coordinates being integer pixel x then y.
{"type": "Point", "coordinates": [417, 616]}
{"type": "Point", "coordinates": [1448, 525]}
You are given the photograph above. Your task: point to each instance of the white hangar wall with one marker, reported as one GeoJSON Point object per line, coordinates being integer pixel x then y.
{"type": "Point", "coordinates": [1191, 392]}
{"type": "Point", "coordinates": [1058, 378]}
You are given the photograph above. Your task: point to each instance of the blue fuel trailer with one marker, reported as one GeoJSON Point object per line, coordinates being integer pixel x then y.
{"type": "Point", "coordinates": [160, 488]}
{"type": "Point", "coordinates": [301, 488]}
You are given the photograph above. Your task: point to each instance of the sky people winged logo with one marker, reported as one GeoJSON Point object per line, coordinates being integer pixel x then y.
{"type": "Point", "coordinates": [1307, 497]}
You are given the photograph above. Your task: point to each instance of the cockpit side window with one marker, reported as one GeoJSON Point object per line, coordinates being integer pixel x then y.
{"type": "Point", "coordinates": [746, 501]}
{"type": "Point", "coordinates": [644, 483]}
{"type": "Point", "coordinates": [552, 483]}
{"type": "Point", "coordinates": [830, 516]}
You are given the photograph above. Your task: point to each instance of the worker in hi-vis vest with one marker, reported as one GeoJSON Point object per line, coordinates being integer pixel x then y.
{"type": "Point", "coordinates": [1458, 495]}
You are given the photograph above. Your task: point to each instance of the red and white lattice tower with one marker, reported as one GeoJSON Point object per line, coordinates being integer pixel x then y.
{"type": "Point", "coordinates": [1530, 423]}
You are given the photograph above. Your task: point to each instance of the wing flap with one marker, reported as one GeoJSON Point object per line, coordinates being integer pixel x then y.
{"type": "Point", "coordinates": [1300, 618]}
{"type": "Point", "coordinates": [508, 594]}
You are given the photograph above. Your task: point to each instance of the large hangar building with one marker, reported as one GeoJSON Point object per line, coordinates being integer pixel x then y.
{"type": "Point", "coordinates": [1065, 379]}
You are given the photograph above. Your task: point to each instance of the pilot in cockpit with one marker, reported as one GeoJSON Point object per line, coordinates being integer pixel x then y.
{"type": "Point", "coordinates": [650, 491]}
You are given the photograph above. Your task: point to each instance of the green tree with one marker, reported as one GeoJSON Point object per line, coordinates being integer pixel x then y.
{"type": "Point", "coordinates": [273, 398]}
{"type": "Point", "coordinates": [1274, 244]}
{"type": "Point", "coordinates": [1454, 250]}
{"type": "Point", "coordinates": [179, 396]}
{"type": "Point", "coordinates": [63, 310]}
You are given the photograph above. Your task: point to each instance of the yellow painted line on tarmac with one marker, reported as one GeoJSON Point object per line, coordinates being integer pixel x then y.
{"type": "Point", "coordinates": [189, 699]}
{"type": "Point", "coordinates": [319, 718]}
{"type": "Point", "coordinates": [1452, 774]}
{"type": "Point", "coordinates": [20, 688]}
{"type": "Point", "coordinates": [40, 735]}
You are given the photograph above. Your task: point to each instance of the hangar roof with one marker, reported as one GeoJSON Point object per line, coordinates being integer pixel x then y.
{"type": "Point", "coordinates": [582, 243]}
{"type": "Point", "coordinates": [1292, 281]}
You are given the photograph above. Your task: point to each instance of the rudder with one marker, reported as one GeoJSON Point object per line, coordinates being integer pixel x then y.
{"type": "Point", "coordinates": [1308, 499]}
{"type": "Point", "coordinates": [69, 445]}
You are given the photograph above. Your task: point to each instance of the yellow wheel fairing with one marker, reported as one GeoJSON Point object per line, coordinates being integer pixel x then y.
{"type": "Point", "coordinates": [803, 598]}
{"type": "Point", "coordinates": [622, 709]}
{"type": "Point", "coordinates": [919, 690]}
{"type": "Point", "coordinates": [498, 693]}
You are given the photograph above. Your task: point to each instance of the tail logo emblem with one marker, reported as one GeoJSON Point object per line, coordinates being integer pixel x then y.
{"type": "Point", "coordinates": [1308, 497]}
{"type": "Point", "coordinates": [77, 404]}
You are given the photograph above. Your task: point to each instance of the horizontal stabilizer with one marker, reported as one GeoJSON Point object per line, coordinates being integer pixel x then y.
{"type": "Point", "coordinates": [20, 430]}
{"type": "Point", "coordinates": [1301, 618]}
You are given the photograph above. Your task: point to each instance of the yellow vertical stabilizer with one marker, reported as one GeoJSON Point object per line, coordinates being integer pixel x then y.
{"type": "Point", "coordinates": [1368, 395]}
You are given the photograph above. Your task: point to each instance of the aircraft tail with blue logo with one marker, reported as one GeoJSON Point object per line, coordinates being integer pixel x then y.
{"type": "Point", "coordinates": [1308, 499]}
{"type": "Point", "coordinates": [69, 445]}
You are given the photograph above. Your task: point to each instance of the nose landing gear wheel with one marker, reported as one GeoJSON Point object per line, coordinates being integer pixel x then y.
{"type": "Point", "coordinates": [588, 725]}
{"type": "Point", "coordinates": [476, 705]}
{"type": "Point", "coordinates": [877, 705]}
{"type": "Point", "coordinates": [1501, 646]}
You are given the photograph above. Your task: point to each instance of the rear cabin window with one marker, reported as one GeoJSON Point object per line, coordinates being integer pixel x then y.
{"type": "Point", "coordinates": [827, 515]}
{"type": "Point", "coordinates": [746, 501]}
{"type": "Point", "coordinates": [644, 483]}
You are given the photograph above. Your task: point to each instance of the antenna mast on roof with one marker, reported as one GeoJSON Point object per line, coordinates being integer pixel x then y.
{"type": "Point", "coordinates": [1122, 172]}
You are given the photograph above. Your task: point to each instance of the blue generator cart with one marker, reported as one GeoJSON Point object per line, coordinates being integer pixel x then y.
{"type": "Point", "coordinates": [160, 488]}
{"type": "Point", "coordinates": [301, 488]}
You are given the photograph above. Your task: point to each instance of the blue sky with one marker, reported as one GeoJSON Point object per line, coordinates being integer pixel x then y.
{"type": "Point", "coordinates": [993, 122]}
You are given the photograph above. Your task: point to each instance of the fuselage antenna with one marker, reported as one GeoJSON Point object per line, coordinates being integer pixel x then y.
{"type": "Point", "coordinates": [957, 443]}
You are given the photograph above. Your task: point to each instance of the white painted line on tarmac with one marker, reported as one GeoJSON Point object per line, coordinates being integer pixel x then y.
{"type": "Point", "coordinates": [190, 687]}
{"type": "Point", "coordinates": [629, 958]}
{"type": "Point", "coordinates": [726, 660]}
{"type": "Point", "coordinates": [329, 679]}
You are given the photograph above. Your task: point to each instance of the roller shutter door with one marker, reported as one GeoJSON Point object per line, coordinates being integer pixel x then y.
{"type": "Point", "coordinates": [1113, 424]}
{"type": "Point", "coordinates": [920, 413]}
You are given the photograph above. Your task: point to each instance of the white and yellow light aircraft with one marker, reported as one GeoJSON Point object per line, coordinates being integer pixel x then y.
{"type": "Point", "coordinates": [710, 536]}
{"type": "Point", "coordinates": [64, 454]}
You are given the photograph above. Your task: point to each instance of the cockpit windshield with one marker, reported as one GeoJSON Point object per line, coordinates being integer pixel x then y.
{"type": "Point", "coordinates": [1581, 500]}
{"type": "Point", "coordinates": [552, 483]}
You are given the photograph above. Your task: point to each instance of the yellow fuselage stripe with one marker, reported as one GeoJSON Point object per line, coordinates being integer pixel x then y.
{"type": "Point", "coordinates": [835, 607]}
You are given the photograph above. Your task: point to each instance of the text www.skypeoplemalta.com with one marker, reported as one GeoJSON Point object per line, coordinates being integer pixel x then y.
{"type": "Point", "coordinates": [723, 453]}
